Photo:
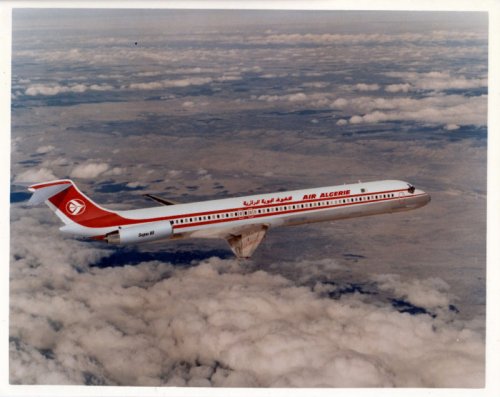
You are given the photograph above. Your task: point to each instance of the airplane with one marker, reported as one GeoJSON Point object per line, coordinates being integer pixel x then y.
{"type": "Point", "coordinates": [242, 221]}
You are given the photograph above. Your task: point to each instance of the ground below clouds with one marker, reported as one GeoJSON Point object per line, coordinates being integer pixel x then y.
{"type": "Point", "coordinates": [218, 322]}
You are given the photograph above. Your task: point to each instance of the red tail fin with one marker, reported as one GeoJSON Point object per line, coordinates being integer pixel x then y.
{"type": "Point", "coordinates": [70, 205]}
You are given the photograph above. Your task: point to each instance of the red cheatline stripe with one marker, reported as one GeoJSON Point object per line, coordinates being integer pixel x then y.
{"type": "Point", "coordinates": [307, 209]}
{"type": "Point", "coordinates": [278, 205]}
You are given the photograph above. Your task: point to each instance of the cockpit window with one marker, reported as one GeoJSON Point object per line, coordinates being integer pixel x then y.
{"type": "Point", "coordinates": [411, 189]}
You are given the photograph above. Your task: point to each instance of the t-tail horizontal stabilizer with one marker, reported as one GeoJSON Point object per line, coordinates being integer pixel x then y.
{"type": "Point", "coordinates": [43, 191]}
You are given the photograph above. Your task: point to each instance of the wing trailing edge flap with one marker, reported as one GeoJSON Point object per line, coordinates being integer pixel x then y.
{"type": "Point", "coordinates": [246, 241]}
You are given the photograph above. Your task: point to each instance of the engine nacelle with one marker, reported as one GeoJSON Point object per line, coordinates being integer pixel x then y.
{"type": "Point", "coordinates": [140, 233]}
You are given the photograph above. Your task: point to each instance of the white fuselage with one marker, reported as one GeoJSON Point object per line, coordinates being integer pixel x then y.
{"type": "Point", "coordinates": [242, 221]}
{"type": "Point", "coordinates": [212, 218]}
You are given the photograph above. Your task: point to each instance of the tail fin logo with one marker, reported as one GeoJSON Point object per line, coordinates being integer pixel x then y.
{"type": "Point", "coordinates": [75, 207]}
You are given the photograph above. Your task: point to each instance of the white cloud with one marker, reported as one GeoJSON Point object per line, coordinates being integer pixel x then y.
{"type": "Point", "coordinates": [398, 87]}
{"type": "Point", "coordinates": [134, 185]}
{"type": "Point", "coordinates": [356, 119]}
{"type": "Point", "coordinates": [156, 85]}
{"type": "Point", "coordinates": [316, 84]}
{"type": "Point", "coordinates": [270, 98]}
{"type": "Point", "coordinates": [220, 324]}
{"type": "Point", "coordinates": [437, 81]}
{"type": "Point", "coordinates": [55, 89]}
{"type": "Point", "coordinates": [364, 38]}
{"type": "Point", "coordinates": [339, 103]}
{"type": "Point", "coordinates": [55, 162]}
{"type": "Point", "coordinates": [313, 99]}
{"type": "Point", "coordinates": [89, 170]}
{"type": "Point", "coordinates": [341, 122]}
{"type": "Point", "coordinates": [188, 104]}
{"type": "Point", "coordinates": [269, 76]}
{"type": "Point", "coordinates": [451, 127]}
{"type": "Point", "coordinates": [45, 149]}
{"type": "Point", "coordinates": [115, 171]}
{"type": "Point", "coordinates": [374, 117]}
{"type": "Point", "coordinates": [35, 175]}
{"type": "Point", "coordinates": [174, 173]}
{"type": "Point", "coordinates": [366, 87]}
{"type": "Point", "coordinates": [204, 174]}
{"type": "Point", "coordinates": [229, 77]}
{"type": "Point", "coordinates": [431, 293]}
{"type": "Point", "coordinates": [297, 97]}
{"type": "Point", "coordinates": [100, 87]}
{"type": "Point", "coordinates": [449, 109]}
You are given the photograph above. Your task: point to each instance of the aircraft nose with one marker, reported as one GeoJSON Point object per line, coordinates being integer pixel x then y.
{"type": "Point", "coordinates": [423, 197]}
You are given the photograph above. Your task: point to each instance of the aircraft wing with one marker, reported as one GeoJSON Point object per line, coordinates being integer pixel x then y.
{"type": "Point", "coordinates": [245, 241]}
{"type": "Point", "coordinates": [160, 200]}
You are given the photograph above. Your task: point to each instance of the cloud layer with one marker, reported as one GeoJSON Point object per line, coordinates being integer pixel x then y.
{"type": "Point", "coordinates": [56, 89]}
{"type": "Point", "coordinates": [449, 109]}
{"type": "Point", "coordinates": [218, 323]}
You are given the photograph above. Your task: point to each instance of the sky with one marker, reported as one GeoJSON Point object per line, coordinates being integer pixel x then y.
{"type": "Point", "coordinates": [196, 105]}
